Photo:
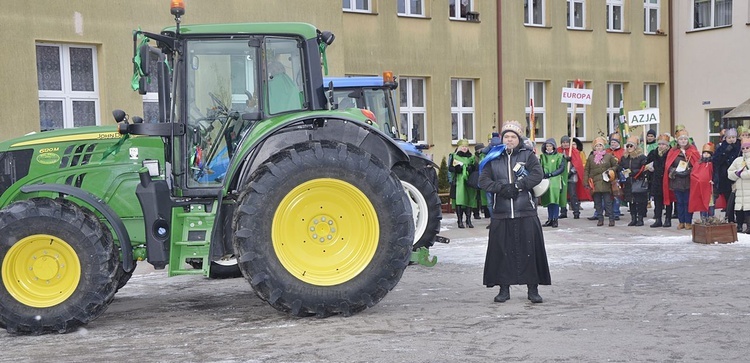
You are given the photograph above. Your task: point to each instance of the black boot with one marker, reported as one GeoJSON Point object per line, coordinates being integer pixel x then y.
{"type": "Point", "coordinates": [547, 223]}
{"type": "Point", "coordinates": [667, 217]}
{"type": "Point", "coordinates": [657, 223]}
{"type": "Point", "coordinates": [467, 211]}
{"type": "Point", "coordinates": [633, 220]}
{"type": "Point", "coordinates": [563, 213]}
{"type": "Point", "coordinates": [554, 223]}
{"type": "Point", "coordinates": [476, 213]}
{"type": "Point", "coordinates": [460, 214]}
{"type": "Point", "coordinates": [534, 294]}
{"type": "Point", "coordinates": [504, 294]}
{"type": "Point", "coordinates": [600, 222]}
{"type": "Point", "coordinates": [638, 221]}
{"type": "Point", "coordinates": [486, 212]}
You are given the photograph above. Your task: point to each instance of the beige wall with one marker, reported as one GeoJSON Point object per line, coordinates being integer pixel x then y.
{"type": "Point", "coordinates": [557, 55]}
{"type": "Point", "coordinates": [710, 68]}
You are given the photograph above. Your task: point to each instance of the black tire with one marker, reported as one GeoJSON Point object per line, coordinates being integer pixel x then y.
{"type": "Point", "coordinates": [123, 277]}
{"type": "Point", "coordinates": [285, 205]}
{"type": "Point", "coordinates": [77, 256]}
{"type": "Point", "coordinates": [425, 203]}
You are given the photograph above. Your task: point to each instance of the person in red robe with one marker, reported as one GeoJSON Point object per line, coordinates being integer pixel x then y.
{"type": "Point", "coordinates": [576, 190]}
{"type": "Point", "coordinates": [701, 184]}
{"type": "Point", "coordinates": [681, 159]}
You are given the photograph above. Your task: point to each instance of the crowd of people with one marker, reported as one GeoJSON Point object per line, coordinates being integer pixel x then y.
{"type": "Point", "coordinates": [503, 181]}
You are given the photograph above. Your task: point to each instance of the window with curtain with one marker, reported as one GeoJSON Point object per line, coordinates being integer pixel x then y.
{"type": "Point", "coordinates": [459, 8]}
{"type": "Point", "coordinates": [651, 14]}
{"type": "Point", "coordinates": [68, 85]}
{"type": "Point", "coordinates": [614, 15]}
{"type": "Point", "coordinates": [711, 13]}
{"type": "Point", "coordinates": [411, 7]}
{"type": "Point", "coordinates": [533, 12]}
{"type": "Point", "coordinates": [462, 110]}
{"type": "Point", "coordinates": [358, 6]}
{"type": "Point", "coordinates": [576, 14]}
{"type": "Point", "coordinates": [413, 109]}
{"type": "Point", "coordinates": [535, 95]}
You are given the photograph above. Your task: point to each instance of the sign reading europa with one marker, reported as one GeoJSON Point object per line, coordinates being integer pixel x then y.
{"type": "Point", "coordinates": [576, 95]}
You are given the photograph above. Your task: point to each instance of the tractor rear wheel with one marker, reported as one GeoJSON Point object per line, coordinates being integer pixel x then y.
{"type": "Point", "coordinates": [323, 228]}
{"type": "Point", "coordinates": [425, 204]}
{"type": "Point", "coordinates": [57, 265]}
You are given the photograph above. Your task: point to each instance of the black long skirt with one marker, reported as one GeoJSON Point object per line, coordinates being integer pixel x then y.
{"type": "Point", "coordinates": [516, 253]}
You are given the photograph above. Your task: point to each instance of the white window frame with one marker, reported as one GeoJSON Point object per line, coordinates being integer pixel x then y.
{"type": "Point", "coordinates": [571, 14]}
{"type": "Point", "coordinates": [455, 13]}
{"type": "Point", "coordinates": [613, 107]}
{"type": "Point", "coordinates": [357, 6]}
{"type": "Point", "coordinates": [409, 109]}
{"type": "Point", "coordinates": [409, 11]}
{"type": "Point", "coordinates": [611, 5]}
{"type": "Point", "coordinates": [648, 7]}
{"type": "Point", "coordinates": [539, 108]}
{"type": "Point", "coordinates": [67, 95]}
{"type": "Point", "coordinates": [652, 89]}
{"type": "Point", "coordinates": [580, 111]}
{"type": "Point", "coordinates": [459, 110]}
{"type": "Point", "coordinates": [528, 17]}
{"type": "Point", "coordinates": [713, 13]}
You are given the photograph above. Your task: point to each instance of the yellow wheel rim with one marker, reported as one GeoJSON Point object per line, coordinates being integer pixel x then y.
{"type": "Point", "coordinates": [41, 271]}
{"type": "Point", "coordinates": [325, 232]}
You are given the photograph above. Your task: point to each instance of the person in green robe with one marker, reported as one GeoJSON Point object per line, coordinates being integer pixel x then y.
{"type": "Point", "coordinates": [460, 165]}
{"type": "Point", "coordinates": [554, 168]}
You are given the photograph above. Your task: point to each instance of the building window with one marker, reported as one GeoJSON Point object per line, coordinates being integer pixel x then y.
{"type": "Point", "coordinates": [358, 6]}
{"type": "Point", "coordinates": [711, 13]}
{"type": "Point", "coordinates": [651, 15]}
{"type": "Point", "coordinates": [615, 111]}
{"type": "Point", "coordinates": [459, 12]}
{"type": "Point", "coordinates": [716, 123]}
{"type": "Point", "coordinates": [412, 108]}
{"type": "Point", "coordinates": [535, 96]}
{"type": "Point", "coordinates": [576, 14]}
{"type": "Point", "coordinates": [462, 109]}
{"type": "Point", "coordinates": [614, 15]}
{"type": "Point", "coordinates": [411, 7]}
{"type": "Point", "coordinates": [651, 97]}
{"type": "Point", "coordinates": [580, 112]}
{"type": "Point", "coordinates": [533, 12]}
{"type": "Point", "coordinates": [68, 86]}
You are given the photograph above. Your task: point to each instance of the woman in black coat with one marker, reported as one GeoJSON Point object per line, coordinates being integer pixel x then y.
{"type": "Point", "coordinates": [726, 152]}
{"type": "Point", "coordinates": [658, 157]}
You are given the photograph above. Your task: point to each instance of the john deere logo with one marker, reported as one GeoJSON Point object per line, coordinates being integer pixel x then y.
{"type": "Point", "coordinates": [48, 158]}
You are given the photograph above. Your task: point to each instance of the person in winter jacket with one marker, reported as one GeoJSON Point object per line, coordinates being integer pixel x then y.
{"type": "Point", "coordinates": [650, 144]}
{"type": "Point", "coordinates": [702, 184]}
{"type": "Point", "coordinates": [681, 159]}
{"type": "Point", "coordinates": [576, 191]}
{"type": "Point", "coordinates": [738, 173]}
{"type": "Point", "coordinates": [632, 166]}
{"type": "Point", "coordinates": [655, 162]}
{"type": "Point", "coordinates": [616, 149]}
{"type": "Point", "coordinates": [460, 164]}
{"type": "Point", "coordinates": [726, 152]}
{"type": "Point", "coordinates": [598, 176]}
{"type": "Point", "coordinates": [554, 166]}
{"type": "Point", "coordinates": [515, 250]}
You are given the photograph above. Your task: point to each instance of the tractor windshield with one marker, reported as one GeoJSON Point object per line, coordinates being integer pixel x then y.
{"type": "Point", "coordinates": [226, 78]}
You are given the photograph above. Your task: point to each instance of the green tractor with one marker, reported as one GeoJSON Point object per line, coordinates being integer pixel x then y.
{"type": "Point", "coordinates": [243, 158]}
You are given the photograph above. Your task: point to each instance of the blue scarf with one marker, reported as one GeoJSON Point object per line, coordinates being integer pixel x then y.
{"type": "Point", "coordinates": [494, 153]}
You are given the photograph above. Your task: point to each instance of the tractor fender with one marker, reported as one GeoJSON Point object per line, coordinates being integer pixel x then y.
{"type": "Point", "coordinates": [94, 201]}
{"type": "Point", "coordinates": [342, 130]}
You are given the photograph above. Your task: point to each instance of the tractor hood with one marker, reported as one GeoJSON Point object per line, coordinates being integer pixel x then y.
{"type": "Point", "coordinates": [62, 135]}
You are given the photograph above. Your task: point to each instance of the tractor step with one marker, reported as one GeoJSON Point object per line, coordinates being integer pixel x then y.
{"type": "Point", "coordinates": [191, 239]}
{"type": "Point", "coordinates": [422, 257]}
{"type": "Point", "coordinates": [441, 239]}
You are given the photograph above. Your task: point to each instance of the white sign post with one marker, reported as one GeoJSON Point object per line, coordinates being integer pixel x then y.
{"type": "Point", "coordinates": [642, 118]}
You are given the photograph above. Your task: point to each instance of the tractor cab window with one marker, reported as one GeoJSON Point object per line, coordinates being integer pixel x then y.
{"type": "Point", "coordinates": [284, 75]}
{"type": "Point", "coordinates": [377, 100]}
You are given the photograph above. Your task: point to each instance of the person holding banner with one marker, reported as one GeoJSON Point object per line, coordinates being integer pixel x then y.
{"type": "Point", "coordinates": [632, 166]}
{"type": "Point", "coordinates": [515, 250]}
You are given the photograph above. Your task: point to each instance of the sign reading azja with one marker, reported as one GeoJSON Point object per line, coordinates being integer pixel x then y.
{"type": "Point", "coordinates": [643, 117]}
{"type": "Point", "coordinates": [576, 95]}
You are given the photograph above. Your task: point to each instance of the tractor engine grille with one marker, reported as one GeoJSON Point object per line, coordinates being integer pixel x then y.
{"type": "Point", "coordinates": [14, 165]}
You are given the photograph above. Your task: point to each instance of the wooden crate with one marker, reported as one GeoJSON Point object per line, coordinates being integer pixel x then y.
{"type": "Point", "coordinates": [717, 233]}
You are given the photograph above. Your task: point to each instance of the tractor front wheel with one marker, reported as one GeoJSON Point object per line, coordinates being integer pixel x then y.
{"type": "Point", "coordinates": [57, 265]}
{"type": "Point", "coordinates": [425, 204]}
{"type": "Point", "coordinates": [323, 228]}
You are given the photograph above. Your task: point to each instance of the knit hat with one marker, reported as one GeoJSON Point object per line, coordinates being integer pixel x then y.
{"type": "Point", "coordinates": [564, 139]}
{"type": "Point", "coordinates": [730, 132]}
{"type": "Point", "coordinates": [708, 147]}
{"type": "Point", "coordinates": [681, 133]}
{"type": "Point", "coordinates": [463, 142]}
{"type": "Point", "coordinates": [599, 140]}
{"type": "Point", "coordinates": [512, 125]}
{"type": "Point", "coordinates": [745, 142]}
{"type": "Point", "coordinates": [663, 137]}
{"type": "Point", "coordinates": [651, 132]}
{"type": "Point", "coordinates": [615, 136]}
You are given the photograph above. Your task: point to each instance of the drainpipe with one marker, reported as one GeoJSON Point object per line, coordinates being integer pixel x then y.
{"type": "Point", "coordinates": [671, 69]}
{"type": "Point", "coordinates": [498, 121]}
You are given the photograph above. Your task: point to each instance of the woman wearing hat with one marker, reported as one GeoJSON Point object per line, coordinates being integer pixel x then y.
{"type": "Point", "coordinates": [515, 250]}
{"type": "Point", "coordinates": [597, 177]}
{"type": "Point", "coordinates": [461, 164]}
{"type": "Point", "coordinates": [726, 152]}
{"type": "Point", "coordinates": [681, 159]}
{"type": "Point", "coordinates": [632, 167]}
{"type": "Point", "coordinates": [702, 185]}
{"type": "Point", "coordinates": [738, 172]}
{"type": "Point", "coordinates": [655, 161]}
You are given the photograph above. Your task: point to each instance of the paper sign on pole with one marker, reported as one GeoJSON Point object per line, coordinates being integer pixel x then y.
{"type": "Point", "coordinates": [576, 96]}
{"type": "Point", "coordinates": [643, 117]}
